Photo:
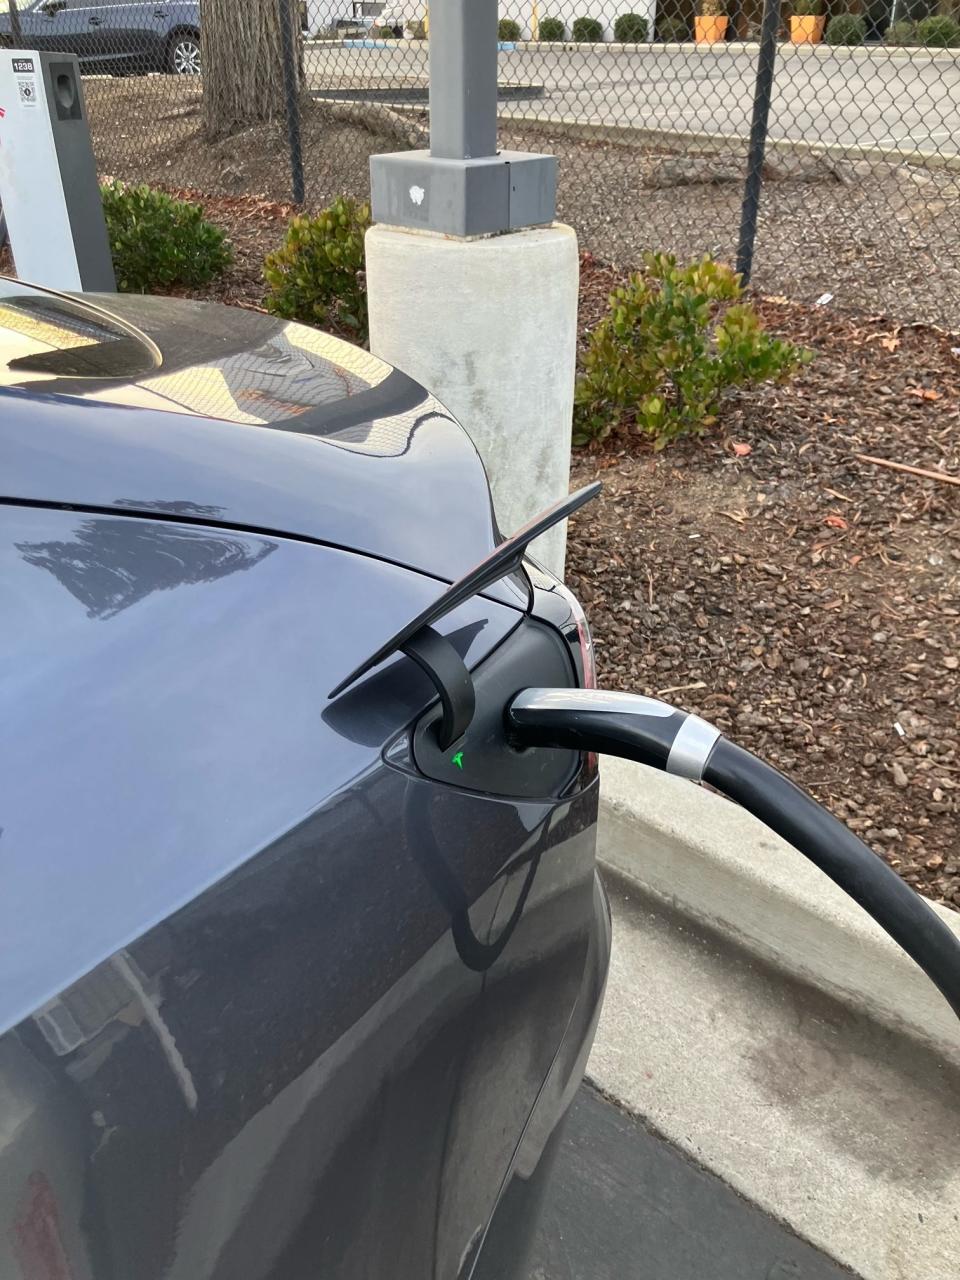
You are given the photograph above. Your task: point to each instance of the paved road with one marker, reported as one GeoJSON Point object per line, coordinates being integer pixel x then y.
{"type": "Point", "coordinates": [846, 97]}
{"type": "Point", "coordinates": [624, 1205]}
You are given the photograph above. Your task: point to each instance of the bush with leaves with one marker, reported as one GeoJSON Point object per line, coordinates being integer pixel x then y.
{"type": "Point", "coordinates": [317, 274]}
{"type": "Point", "coordinates": [673, 30]}
{"type": "Point", "coordinates": [939, 31]}
{"type": "Point", "coordinates": [903, 32]}
{"type": "Point", "coordinates": [552, 29]}
{"type": "Point", "coordinates": [807, 8]}
{"type": "Point", "coordinates": [508, 30]}
{"type": "Point", "coordinates": [673, 340]}
{"type": "Point", "coordinates": [630, 28]}
{"type": "Point", "coordinates": [159, 243]}
{"type": "Point", "coordinates": [846, 28]}
{"type": "Point", "coordinates": [587, 30]}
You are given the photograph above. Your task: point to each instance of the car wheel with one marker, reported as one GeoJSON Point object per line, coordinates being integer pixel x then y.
{"type": "Point", "coordinates": [184, 56]}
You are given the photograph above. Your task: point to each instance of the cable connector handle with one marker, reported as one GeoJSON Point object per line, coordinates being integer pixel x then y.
{"type": "Point", "coordinates": [596, 720]}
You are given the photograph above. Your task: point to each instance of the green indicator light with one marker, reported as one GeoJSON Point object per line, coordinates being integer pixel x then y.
{"type": "Point", "coordinates": [457, 759]}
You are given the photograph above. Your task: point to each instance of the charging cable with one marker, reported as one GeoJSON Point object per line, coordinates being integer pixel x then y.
{"type": "Point", "coordinates": [657, 734]}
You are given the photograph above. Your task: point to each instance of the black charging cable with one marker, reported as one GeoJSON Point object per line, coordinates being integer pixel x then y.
{"type": "Point", "coordinates": [655, 733]}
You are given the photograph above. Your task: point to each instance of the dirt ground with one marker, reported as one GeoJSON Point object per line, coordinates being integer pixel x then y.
{"type": "Point", "coordinates": [804, 600]}
{"type": "Point", "coordinates": [875, 237]}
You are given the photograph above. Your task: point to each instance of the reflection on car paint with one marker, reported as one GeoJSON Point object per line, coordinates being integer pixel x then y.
{"type": "Point", "coordinates": [108, 567]}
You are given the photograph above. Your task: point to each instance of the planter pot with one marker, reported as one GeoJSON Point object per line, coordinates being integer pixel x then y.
{"type": "Point", "coordinates": [807, 29]}
{"type": "Point", "coordinates": [710, 30]}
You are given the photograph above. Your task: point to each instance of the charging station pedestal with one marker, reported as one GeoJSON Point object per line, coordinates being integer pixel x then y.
{"type": "Point", "coordinates": [48, 176]}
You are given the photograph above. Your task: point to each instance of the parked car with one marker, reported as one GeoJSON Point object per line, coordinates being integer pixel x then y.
{"type": "Point", "coordinates": [288, 987]}
{"type": "Point", "coordinates": [130, 37]}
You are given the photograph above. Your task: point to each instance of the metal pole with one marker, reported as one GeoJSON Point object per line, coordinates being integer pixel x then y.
{"type": "Point", "coordinates": [766, 61]}
{"type": "Point", "coordinates": [291, 88]}
{"type": "Point", "coordinates": [16, 31]}
{"type": "Point", "coordinates": [463, 79]}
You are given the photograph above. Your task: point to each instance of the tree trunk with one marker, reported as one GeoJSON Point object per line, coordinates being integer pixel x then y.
{"type": "Point", "coordinates": [242, 58]}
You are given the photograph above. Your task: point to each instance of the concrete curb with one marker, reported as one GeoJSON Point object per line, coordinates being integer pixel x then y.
{"type": "Point", "coordinates": [713, 862]}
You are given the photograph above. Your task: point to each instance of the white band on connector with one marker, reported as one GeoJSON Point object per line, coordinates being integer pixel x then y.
{"type": "Point", "coordinates": [691, 748]}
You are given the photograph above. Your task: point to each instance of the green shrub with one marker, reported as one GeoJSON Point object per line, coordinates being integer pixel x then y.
{"type": "Point", "coordinates": [157, 242]}
{"type": "Point", "coordinates": [508, 30]}
{"type": "Point", "coordinates": [846, 28]}
{"type": "Point", "coordinates": [673, 30]}
{"type": "Point", "coordinates": [938, 32]}
{"type": "Point", "coordinates": [386, 33]}
{"type": "Point", "coordinates": [901, 33]}
{"type": "Point", "coordinates": [673, 340]}
{"type": "Point", "coordinates": [316, 275]}
{"type": "Point", "coordinates": [587, 30]}
{"type": "Point", "coordinates": [631, 28]}
{"type": "Point", "coordinates": [552, 29]}
{"type": "Point", "coordinates": [713, 8]}
{"type": "Point", "coordinates": [807, 8]}
{"type": "Point", "coordinates": [418, 30]}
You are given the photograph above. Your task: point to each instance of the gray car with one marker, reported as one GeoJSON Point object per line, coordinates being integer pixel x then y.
{"type": "Point", "coordinates": [293, 983]}
{"type": "Point", "coordinates": [114, 35]}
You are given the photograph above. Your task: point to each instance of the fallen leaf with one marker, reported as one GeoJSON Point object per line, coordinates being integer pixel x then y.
{"type": "Point", "coordinates": [923, 393]}
{"type": "Point", "coordinates": [890, 344]}
{"type": "Point", "coordinates": [836, 522]}
{"type": "Point", "coordinates": [740, 517]}
{"type": "Point", "coordinates": [741, 450]}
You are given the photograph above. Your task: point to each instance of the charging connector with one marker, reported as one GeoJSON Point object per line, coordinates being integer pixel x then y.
{"type": "Point", "coordinates": [656, 734]}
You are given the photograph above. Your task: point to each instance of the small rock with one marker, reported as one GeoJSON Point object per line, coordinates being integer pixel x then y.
{"type": "Point", "coordinates": [951, 663]}
{"type": "Point", "coordinates": [934, 863]}
{"type": "Point", "coordinates": [870, 759]}
{"type": "Point", "coordinates": [900, 779]}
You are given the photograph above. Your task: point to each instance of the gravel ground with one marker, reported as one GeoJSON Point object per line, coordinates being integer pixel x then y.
{"type": "Point", "coordinates": [876, 238]}
{"type": "Point", "coordinates": [806, 601]}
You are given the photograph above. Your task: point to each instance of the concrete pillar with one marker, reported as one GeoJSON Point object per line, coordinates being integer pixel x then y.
{"type": "Point", "coordinates": [490, 327]}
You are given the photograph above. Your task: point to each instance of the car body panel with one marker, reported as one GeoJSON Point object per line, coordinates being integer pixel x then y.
{"type": "Point", "coordinates": [273, 1004]}
{"type": "Point", "coordinates": [326, 441]}
{"type": "Point", "coordinates": [120, 620]}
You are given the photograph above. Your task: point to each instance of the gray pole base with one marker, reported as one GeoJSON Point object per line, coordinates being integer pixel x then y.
{"type": "Point", "coordinates": [463, 197]}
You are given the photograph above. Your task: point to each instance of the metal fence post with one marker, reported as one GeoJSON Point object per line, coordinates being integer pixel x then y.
{"type": "Point", "coordinates": [291, 89]}
{"type": "Point", "coordinates": [766, 62]}
{"type": "Point", "coordinates": [16, 31]}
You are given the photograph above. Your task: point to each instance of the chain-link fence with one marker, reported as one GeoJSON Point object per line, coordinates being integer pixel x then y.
{"type": "Point", "coordinates": [854, 116]}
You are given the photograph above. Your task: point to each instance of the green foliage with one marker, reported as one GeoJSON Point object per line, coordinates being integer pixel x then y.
{"type": "Point", "coordinates": [807, 8]}
{"type": "Point", "coordinates": [508, 30]}
{"type": "Point", "coordinates": [673, 30]}
{"type": "Point", "coordinates": [552, 29]}
{"type": "Point", "coordinates": [713, 8]}
{"type": "Point", "coordinates": [385, 33]}
{"type": "Point", "coordinates": [587, 30]}
{"type": "Point", "coordinates": [157, 242]}
{"type": "Point", "coordinates": [938, 32]}
{"type": "Point", "coordinates": [418, 30]}
{"type": "Point", "coordinates": [673, 340]}
{"type": "Point", "coordinates": [901, 33]}
{"type": "Point", "coordinates": [317, 274]}
{"type": "Point", "coordinates": [631, 28]}
{"type": "Point", "coordinates": [846, 28]}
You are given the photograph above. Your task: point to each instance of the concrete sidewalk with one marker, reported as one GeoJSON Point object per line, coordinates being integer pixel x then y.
{"type": "Point", "coordinates": [762, 1025]}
